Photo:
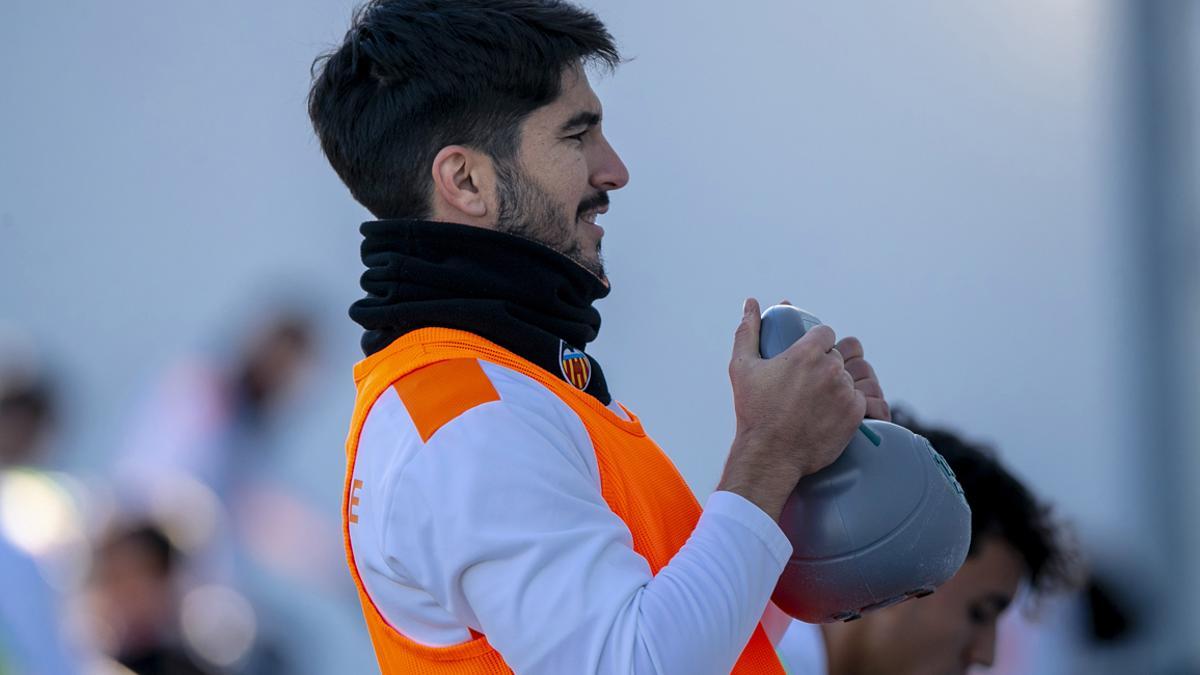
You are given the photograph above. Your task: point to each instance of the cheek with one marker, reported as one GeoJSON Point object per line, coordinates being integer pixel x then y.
{"type": "Point", "coordinates": [566, 180]}
{"type": "Point", "coordinates": [571, 170]}
{"type": "Point", "coordinates": [931, 635]}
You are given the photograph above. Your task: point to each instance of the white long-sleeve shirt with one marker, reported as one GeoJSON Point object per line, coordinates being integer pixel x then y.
{"type": "Point", "coordinates": [497, 525]}
{"type": "Point", "coordinates": [802, 649]}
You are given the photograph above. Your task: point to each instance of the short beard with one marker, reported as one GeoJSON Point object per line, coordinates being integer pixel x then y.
{"type": "Point", "coordinates": [527, 211]}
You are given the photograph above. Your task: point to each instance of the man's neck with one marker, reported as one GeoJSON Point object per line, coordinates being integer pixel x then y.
{"type": "Point", "coordinates": [517, 293]}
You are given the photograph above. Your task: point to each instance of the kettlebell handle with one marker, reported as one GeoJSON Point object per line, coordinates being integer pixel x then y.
{"type": "Point", "coordinates": [784, 324]}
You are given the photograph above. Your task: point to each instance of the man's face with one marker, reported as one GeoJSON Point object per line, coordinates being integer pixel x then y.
{"type": "Point", "coordinates": [559, 182]}
{"type": "Point", "coordinates": [955, 627]}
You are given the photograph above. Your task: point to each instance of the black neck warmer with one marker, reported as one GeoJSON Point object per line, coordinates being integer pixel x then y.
{"type": "Point", "coordinates": [517, 293]}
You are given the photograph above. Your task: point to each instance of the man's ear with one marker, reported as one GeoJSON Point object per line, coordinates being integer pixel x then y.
{"type": "Point", "coordinates": [463, 185]}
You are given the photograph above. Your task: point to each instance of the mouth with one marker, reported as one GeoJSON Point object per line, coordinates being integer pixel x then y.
{"type": "Point", "coordinates": [592, 207]}
{"type": "Point", "coordinates": [591, 215]}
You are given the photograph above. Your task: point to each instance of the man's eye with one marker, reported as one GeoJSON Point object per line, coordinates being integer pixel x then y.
{"type": "Point", "coordinates": [579, 136]}
{"type": "Point", "coordinates": [978, 615]}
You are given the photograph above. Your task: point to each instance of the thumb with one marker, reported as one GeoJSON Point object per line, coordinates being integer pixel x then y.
{"type": "Point", "coordinates": [745, 340]}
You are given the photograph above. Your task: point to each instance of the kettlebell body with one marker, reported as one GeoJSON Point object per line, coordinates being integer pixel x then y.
{"type": "Point", "coordinates": [885, 522]}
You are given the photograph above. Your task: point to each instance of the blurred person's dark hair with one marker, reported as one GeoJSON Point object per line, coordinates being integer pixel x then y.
{"type": "Point", "coordinates": [271, 361]}
{"type": "Point", "coordinates": [413, 76]}
{"type": "Point", "coordinates": [146, 540]}
{"type": "Point", "coordinates": [28, 410]}
{"type": "Point", "coordinates": [1002, 506]}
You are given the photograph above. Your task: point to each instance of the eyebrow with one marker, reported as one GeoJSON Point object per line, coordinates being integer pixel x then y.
{"type": "Point", "coordinates": [584, 118]}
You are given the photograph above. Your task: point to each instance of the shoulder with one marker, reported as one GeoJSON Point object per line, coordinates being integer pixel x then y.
{"type": "Point", "coordinates": [441, 393]}
{"type": "Point", "coordinates": [468, 403]}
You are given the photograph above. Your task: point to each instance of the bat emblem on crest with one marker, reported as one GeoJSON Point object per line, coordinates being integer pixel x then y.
{"type": "Point", "coordinates": [576, 368]}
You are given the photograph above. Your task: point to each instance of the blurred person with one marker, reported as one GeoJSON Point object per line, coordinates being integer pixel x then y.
{"type": "Point", "coordinates": [198, 462]}
{"type": "Point", "coordinates": [1014, 541]}
{"type": "Point", "coordinates": [209, 418]}
{"type": "Point", "coordinates": [148, 616]}
{"type": "Point", "coordinates": [502, 510]}
{"type": "Point", "coordinates": [136, 602]}
{"type": "Point", "coordinates": [135, 594]}
{"type": "Point", "coordinates": [197, 455]}
{"type": "Point", "coordinates": [28, 412]}
{"type": "Point", "coordinates": [33, 639]}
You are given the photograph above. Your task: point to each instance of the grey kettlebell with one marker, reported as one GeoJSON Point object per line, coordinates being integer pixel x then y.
{"type": "Point", "coordinates": [887, 521]}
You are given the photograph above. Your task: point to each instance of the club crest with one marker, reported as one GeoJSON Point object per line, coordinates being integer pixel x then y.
{"type": "Point", "coordinates": [576, 368]}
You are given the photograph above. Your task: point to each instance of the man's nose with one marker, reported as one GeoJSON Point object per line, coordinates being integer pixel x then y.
{"type": "Point", "coordinates": [609, 172]}
{"type": "Point", "coordinates": [983, 647]}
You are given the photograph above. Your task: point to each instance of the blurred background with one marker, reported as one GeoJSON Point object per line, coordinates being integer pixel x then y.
{"type": "Point", "coordinates": [1002, 200]}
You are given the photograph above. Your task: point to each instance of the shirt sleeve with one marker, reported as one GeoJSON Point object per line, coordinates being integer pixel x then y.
{"type": "Point", "coordinates": [500, 518]}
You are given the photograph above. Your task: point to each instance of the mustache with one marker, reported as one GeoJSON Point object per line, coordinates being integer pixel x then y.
{"type": "Point", "coordinates": [595, 201]}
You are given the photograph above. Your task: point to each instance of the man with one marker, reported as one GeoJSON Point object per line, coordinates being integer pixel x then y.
{"type": "Point", "coordinates": [502, 511]}
{"type": "Point", "coordinates": [1012, 539]}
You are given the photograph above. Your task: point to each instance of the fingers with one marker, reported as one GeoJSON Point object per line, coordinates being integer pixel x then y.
{"type": "Point", "coordinates": [864, 377]}
{"type": "Point", "coordinates": [865, 380]}
{"type": "Point", "coordinates": [859, 368]}
{"type": "Point", "coordinates": [878, 409]}
{"type": "Point", "coordinates": [850, 348]}
{"type": "Point", "coordinates": [845, 358]}
{"type": "Point", "coordinates": [838, 355]}
{"type": "Point", "coordinates": [745, 340]}
{"type": "Point", "coordinates": [848, 380]}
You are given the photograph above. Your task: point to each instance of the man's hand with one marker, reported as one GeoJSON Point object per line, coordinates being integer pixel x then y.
{"type": "Point", "coordinates": [795, 412]}
{"type": "Point", "coordinates": [864, 376]}
{"type": "Point", "coordinates": [865, 379]}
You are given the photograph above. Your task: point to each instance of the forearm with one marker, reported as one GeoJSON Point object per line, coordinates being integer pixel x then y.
{"type": "Point", "coordinates": [697, 614]}
{"type": "Point", "coordinates": [750, 473]}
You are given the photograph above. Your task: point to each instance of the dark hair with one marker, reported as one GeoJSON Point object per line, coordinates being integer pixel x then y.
{"type": "Point", "coordinates": [33, 396]}
{"type": "Point", "coordinates": [1001, 505]}
{"type": "Point", "coordinates": [29, 402]}
{"type": "Point", "coordinates": [147, 539]}
{"type": "Point", "coordinates": [413, 76]}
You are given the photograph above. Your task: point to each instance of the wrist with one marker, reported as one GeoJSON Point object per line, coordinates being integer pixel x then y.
{"type": "Point", "coordinates": [755, 472]}
{"type": "Point", "coordinates": [768, 502]}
